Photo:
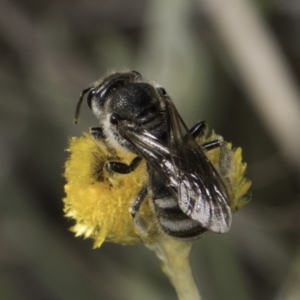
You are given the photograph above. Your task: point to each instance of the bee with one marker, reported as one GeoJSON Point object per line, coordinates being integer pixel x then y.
{"type": "Point", "coordinates": [188, 195]}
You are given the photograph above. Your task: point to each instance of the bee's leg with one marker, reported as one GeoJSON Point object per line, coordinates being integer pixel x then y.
{"type": "Point", "coordinates": [97, 133]}
{"type": "Point", "coordinates": [138, 202]}
{"type": "Point", "coordinates": [226, 159]}
{"type": "Point", "coordinates": [199, 129]}
{"type": "Point", "coordinates": [142, 225]}
{"type": "Point", "coordinates": [122, 168]}
{"type": "Point", "coordinates": [213, 144]}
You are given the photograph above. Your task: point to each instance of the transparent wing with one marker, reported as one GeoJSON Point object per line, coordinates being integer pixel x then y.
{"type": "Point", "coordinates": [185, 170]}
{"type": "Point", "coordinates": [201, 192]}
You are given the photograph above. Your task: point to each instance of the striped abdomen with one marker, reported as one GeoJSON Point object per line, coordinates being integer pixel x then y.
{"type": "Point", "coordinates": [173, 221]}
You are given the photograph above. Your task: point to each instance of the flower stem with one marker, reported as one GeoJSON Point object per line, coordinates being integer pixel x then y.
{"type": "Point", "coordinates": [174, 255]}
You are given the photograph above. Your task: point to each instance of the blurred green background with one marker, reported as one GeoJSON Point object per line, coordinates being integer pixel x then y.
{"type": "Point", "coordinates": [51, 50]}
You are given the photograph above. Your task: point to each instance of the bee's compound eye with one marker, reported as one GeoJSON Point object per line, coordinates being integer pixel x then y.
{"type": "Point", "coordinates": [90, 96]}
{"type": "Point", "coordinates": [115, 119]}
{"type": "Point", "coordinates": [161, 91]}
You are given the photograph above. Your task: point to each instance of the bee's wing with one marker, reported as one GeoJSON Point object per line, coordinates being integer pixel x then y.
{"type": "Point", "coordinates": [185, 170]}
{"type": "Point", "coordinates": [202, 194]}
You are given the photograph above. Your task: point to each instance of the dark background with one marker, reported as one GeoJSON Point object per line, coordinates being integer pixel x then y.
{"type": "Point", "coordinates": [49, 52]}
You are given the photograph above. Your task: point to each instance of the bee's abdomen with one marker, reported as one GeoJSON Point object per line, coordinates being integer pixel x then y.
{"type": "Point", "coordinates": [174, 222]}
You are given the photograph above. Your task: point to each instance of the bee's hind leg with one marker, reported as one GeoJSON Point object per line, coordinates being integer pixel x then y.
{"type": "Point", "coordinates": [226, 159]}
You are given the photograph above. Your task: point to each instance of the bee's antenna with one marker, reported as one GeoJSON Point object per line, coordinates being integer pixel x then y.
{"type": "Point", "coordinates": [77, 111]}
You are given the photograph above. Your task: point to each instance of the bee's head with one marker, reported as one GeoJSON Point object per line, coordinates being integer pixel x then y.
{"type": "Point", "coordinates": [126, 96]}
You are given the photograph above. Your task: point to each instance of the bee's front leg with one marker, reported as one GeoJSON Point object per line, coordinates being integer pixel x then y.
{"type": "Point", "coordinates": [97, 133]}
{"type": "Point", "coordinates": [141, 225]}
{"type": "Point", "coordinates": [122, 168]}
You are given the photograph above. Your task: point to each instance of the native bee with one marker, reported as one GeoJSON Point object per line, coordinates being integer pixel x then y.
{"type": "Point", "coordinates": [138, 116]}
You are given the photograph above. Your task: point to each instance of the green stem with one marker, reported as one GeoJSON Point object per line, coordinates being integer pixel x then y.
{"type": "Point", "coordinates": [174, 255]}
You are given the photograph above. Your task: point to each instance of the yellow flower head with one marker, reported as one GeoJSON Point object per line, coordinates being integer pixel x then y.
{"type": "Point", "coordinates": [99, 202]}
{"type": "Point", "coordinates": [228, 162]}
